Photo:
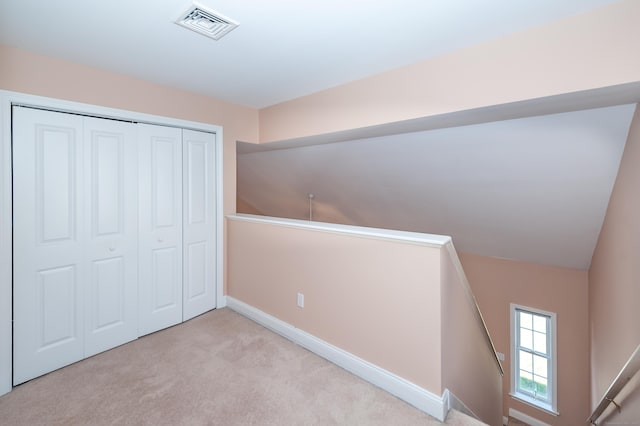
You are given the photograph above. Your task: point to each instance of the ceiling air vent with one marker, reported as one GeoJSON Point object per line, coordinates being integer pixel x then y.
{"type": "Point", "coordinates": [206, 22]}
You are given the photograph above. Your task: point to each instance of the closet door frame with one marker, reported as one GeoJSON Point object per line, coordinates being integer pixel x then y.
{"type": "Point", "coordinates": [7, 100]}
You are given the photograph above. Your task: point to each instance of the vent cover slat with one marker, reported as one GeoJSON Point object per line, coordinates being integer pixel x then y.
{"type": "Point", "coordinates": [206, 22]}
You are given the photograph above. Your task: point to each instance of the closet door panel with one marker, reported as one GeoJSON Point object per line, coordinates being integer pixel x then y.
{"type": "Point", "coordinates": [160, 227]}
{"type": "Point", "coordinates": [49, 270]}
{"type": "Point", "coordinates": [111, 233]}
{"type": "Point", "coordinates": [199, 223]}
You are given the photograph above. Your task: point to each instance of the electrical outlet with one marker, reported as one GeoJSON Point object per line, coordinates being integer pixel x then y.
{"type": "Point", "coordinates": [500, 356]}
{"type": "Point", "coordinates": [300, 300]}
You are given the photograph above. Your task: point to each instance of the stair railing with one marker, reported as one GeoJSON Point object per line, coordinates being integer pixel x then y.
{"type": "Point", "coordinates": [631, 367]}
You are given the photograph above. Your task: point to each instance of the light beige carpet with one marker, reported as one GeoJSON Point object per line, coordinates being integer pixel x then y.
{"type": "Point", "coordinates": [217, 369]}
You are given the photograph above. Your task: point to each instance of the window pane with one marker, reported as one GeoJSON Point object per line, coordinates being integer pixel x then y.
{"type": "Point", "coordinates": [540, 342]}
{"type": "Point", "coordinates": [540, 323]}
{"type": "Point", "coordinates": [526, 320]}
{"type": "Point", "coordinates": [541, 390]}
{"type": "Point", "coordinates": [526, 382]}
{"type": "Point", "coordinates": [526, 338]}
{"type": "Point", "coordinates": [526, 361]}
{"type": "Point", "coordinates": [533, 342]}
{"type": "Point", "coordinates": [540, 366]}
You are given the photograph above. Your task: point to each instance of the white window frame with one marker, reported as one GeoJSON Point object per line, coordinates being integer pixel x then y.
{"type": "Point", "coordinates": [550, 406]}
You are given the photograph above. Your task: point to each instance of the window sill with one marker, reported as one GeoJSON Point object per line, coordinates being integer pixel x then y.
{"type": "Point", "coordinates": [547, 408]}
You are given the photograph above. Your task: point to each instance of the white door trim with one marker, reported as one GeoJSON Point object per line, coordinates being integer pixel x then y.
{"type": "Point", "coordinates": [7, 99]}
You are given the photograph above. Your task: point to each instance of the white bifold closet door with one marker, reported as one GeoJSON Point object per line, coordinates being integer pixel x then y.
{"type": "Point", "coordinates": [114, 234]}
{"type": "Point", "coordinates": [75, 238]}
{"type": "Point", "coordinates": [198, 223]}
{"type": "Point", "coordinates": [160, 226]}
{"type": "Point", "coordinates": [176, 224]}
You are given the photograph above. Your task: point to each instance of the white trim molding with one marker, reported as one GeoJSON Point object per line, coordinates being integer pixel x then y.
{"type": "Point", "coordinates": [407, 237]}
{"type": "Point", "coordinates": [457, 404]}
{"type": "Point", "coordinates": [411, 393]}
{"type": "Point", "coordinates": [7, 100]}
{"type": "Point", "coordinates": [526, 418]}
{"type": "Point", "coordinates": [6, 261]}
{"type": "Point", "coordinates": [550, 407]}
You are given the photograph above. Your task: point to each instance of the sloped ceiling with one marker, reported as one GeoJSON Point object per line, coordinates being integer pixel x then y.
{"type": "Point", "coordinates": [533, 189]}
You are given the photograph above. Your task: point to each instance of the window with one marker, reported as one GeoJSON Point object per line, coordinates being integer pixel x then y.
{"type": "Point", "coordinates": [533, 357]}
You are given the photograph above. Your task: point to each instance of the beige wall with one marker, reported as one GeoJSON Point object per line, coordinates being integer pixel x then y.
{"type": "Point", "coordinates": [401, 306]}
{"type": "Point", "coordinates": [27, 72]}
{"type": "Point", "coordinates": [499, 282]}
{"type": "Point", "coordinates": [243, 207]}
{"type": "Point", "coordinates": [614, 277]}
{"type": "Point", "coordinates": [592, 50]}
{"type": "Point", "coordinates": [469, 368]}
{"type": "Point", "coordinates": [376, 299]}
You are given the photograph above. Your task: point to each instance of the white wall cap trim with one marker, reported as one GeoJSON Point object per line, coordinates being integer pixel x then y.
{"type": "Point", "coordinates": [431, 240]}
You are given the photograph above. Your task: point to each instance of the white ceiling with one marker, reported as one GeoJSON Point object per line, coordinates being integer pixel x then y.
{"type": "Point", "coordinates": [283, 49]}
{"type": "Point", "coordinates": [533, 189]}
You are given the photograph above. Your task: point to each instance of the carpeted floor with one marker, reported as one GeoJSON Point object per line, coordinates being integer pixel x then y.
{"type": "Point", "coordinates": [217, 369]}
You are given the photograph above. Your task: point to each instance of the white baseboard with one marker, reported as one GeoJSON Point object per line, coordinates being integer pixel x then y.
{"type": "Point", "coordinates": [505, 420]}
{"type": "Point", "coordinates": [221, 302]}
{"type": "Point", "coordinates": [409, 392]}
{"type": "Point", "coordinates": [526, 418]}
